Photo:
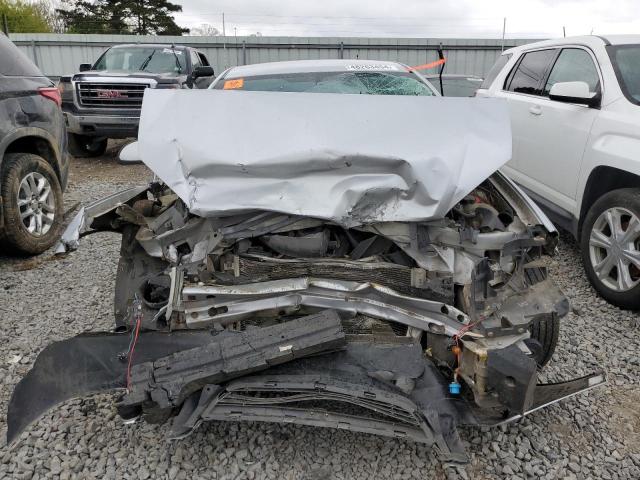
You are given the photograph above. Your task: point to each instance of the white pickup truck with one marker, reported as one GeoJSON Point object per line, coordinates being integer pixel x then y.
{"type": "Point", "coordinates": [575, 116]}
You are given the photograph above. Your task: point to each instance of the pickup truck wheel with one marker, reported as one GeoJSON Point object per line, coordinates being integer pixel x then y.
{"type": "Point", "coordinates": [32, 203]}
{"type": "Point", "coordinates": [86, 146]}
{"type": "Point", "coordinates": [610, 244]}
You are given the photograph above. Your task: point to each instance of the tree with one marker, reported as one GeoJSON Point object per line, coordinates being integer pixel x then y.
{"type": "Point", "coordinates": [154, 17]}
{"type": "Point", "coordinates": [142, 17]}
{"type": "Point", "coordinates": [33, 17]}
{"type": "Point", "coordinates": [101, 16]}
{"type": "Point", "coordinates": [205, 30]}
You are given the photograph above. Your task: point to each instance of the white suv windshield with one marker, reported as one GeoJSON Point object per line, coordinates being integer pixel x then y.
{"type": "Point", "coordinates": [626, 62]}
{"type": "Point", "coordinates": [371, 83]}
{"type": "Point", "coordinates": [143, 59]}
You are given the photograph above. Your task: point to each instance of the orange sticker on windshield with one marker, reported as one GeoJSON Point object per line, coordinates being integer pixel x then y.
{"type": "Point", "coordinates": [234, 84]}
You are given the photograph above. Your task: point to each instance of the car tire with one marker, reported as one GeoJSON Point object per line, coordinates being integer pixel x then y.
{"type": "Point", "coordinates": [544, 338]}
{"type": "Point", "coordinates": [610, 245]}
{"type": "Point", "coordinates": [32, 217]}
{"type": "Point", "coordinates": [86, 146]}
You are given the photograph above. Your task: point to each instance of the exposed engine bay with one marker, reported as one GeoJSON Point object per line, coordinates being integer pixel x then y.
{"type": "Point", "coordinates": [403, 329]}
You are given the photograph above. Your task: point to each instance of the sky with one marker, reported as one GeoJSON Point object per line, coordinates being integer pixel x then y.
{"type": "Point", "coordinates": [414, 18]}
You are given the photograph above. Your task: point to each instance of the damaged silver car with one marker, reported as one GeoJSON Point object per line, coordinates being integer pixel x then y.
{"type": "Point", "coordinates": [328, 260]}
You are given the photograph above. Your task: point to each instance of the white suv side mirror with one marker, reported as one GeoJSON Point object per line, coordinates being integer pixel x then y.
{"type": "Point", "coordinates": [574, 92]}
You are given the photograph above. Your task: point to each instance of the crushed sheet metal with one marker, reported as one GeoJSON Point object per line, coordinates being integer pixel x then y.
{"type": "Point", "coordinates": [358, 159]}
{"type": "Point", "coordinates": [69, 240]}
{"type": "Point", "coordinates": [208, 305]}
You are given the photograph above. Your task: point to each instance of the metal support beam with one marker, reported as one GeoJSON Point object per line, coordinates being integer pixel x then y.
{"type": "Point", "coordinates": [34, 52]}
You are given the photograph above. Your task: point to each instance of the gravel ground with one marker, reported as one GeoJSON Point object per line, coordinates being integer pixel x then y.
{"type": "Point", "coordinates": [595, 435]}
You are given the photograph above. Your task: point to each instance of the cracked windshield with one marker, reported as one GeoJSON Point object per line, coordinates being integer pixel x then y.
{"type": "Point", "coordinates": [368, 83]}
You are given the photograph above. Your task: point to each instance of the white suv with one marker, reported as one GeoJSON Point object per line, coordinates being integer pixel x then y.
{"type": "Point", "coordinates": [575, 116]}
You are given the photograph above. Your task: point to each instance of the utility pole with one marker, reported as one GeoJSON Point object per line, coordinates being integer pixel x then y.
{"type": "Point", "coordinates": [235, 34]}
{"type": "Point", "coordinates": [504, 28]}
{"type": "Point", "coordinates": [224, 42]}
{"type": "Point", "coordinates": [564, 32]}
{"type": "Point", "coordinates": [5, 24]}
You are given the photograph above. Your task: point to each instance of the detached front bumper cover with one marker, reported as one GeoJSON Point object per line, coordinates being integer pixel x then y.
{"type": "Point", "coordinates": [297, 372]}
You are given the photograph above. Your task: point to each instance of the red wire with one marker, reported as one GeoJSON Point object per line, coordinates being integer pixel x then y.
{"type": "Point", "coordinates": [464, 329]}
{"type": "Point", "coordinates": [133, 347]}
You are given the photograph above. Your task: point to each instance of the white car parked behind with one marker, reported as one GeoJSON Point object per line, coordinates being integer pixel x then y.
{"type": "Point", "coordinates": [575, 115]}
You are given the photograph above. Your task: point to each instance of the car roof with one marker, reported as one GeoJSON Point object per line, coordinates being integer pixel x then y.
{"type": "Point", "coordinates": [303, 66]}
{"type": "Point", "coordinates": [592, 41]}
{"type": "Point", "coordinates": [621, 39]}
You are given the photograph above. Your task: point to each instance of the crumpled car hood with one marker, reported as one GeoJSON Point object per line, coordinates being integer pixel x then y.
{"type": "Point", "coordinates": [358, 159]}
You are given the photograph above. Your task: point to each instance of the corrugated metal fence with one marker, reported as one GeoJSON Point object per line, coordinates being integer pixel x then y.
{"type": "Point", "coordinates": [59, 54]}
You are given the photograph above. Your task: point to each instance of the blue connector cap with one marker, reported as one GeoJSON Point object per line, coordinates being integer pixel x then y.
{"type": "Point", "coordinates": [454, 388]}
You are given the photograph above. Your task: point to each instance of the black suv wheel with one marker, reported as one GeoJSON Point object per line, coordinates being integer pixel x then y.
{"type": "Point", "coordinates": [32, 203]}
{"type": "Point", "coordinates": [85, 146]}
{"type": "Point", "coordinates": [610, 244]}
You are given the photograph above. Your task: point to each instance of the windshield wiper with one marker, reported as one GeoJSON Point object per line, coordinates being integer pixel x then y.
{"type": "Point", "coordinates": [178, 64]}
{"type": "Point", "coordinates": [146, 61]}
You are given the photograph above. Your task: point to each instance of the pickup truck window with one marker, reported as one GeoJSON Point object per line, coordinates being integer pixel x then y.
{"type": "Point", "coordinates": [203, 59]}
{"type": "Point", "coordinates": [626, 63]}
{"type": "Point", "coordinates": [143, 59]}
{"type": "Point", "coordinates": [195, 60]}
{"type": "Point", "coordinates": [530, 71]}
{"type": "Point", "coordinates": [371, 83]}
{"type": "Point", "coordinates": [572, 65]}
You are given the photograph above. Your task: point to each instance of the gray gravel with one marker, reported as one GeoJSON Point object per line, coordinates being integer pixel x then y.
{"type": "Point", "coordinates": [596, 435]}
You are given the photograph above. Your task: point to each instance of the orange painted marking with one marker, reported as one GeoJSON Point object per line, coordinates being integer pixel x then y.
{"type": "Point", "coordinates": [426, 66]}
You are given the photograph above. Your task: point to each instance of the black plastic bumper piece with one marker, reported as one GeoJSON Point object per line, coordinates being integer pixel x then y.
{"type": "Point", "coordinates": [93, 363]}
{"type": "Point", "coordinates": [165, 383]}
{"type": "Point", "coordinates": [304, 371]}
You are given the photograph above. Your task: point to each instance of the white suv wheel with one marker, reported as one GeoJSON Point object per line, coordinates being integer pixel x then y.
{"type": "Point", "coordinates": [614, 249]}
{"type": "Point", "coordinates": [610, 244]}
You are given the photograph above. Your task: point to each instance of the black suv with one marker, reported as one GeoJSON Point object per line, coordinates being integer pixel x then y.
{"type": "Point", "coordinates": [104, 100]}
{"type": "Point", "coordinates": [33, 154]}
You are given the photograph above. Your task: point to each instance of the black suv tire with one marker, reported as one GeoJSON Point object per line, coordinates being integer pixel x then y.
{"type": "Point", "coordinates": [619, 206]}
{"type": "Point", "coordinates": [18, 168]}
{"type": "Point", "coordinates": [86, 146]}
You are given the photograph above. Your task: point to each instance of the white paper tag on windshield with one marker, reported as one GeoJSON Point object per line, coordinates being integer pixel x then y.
{"type": "Point", "coordinates": [368, 67]}
{"type": "Point", "coordinates": [169, 50]}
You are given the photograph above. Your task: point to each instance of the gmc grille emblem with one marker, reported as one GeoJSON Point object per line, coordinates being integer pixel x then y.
{"type": "Point", "coordinates": [111, 94]}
